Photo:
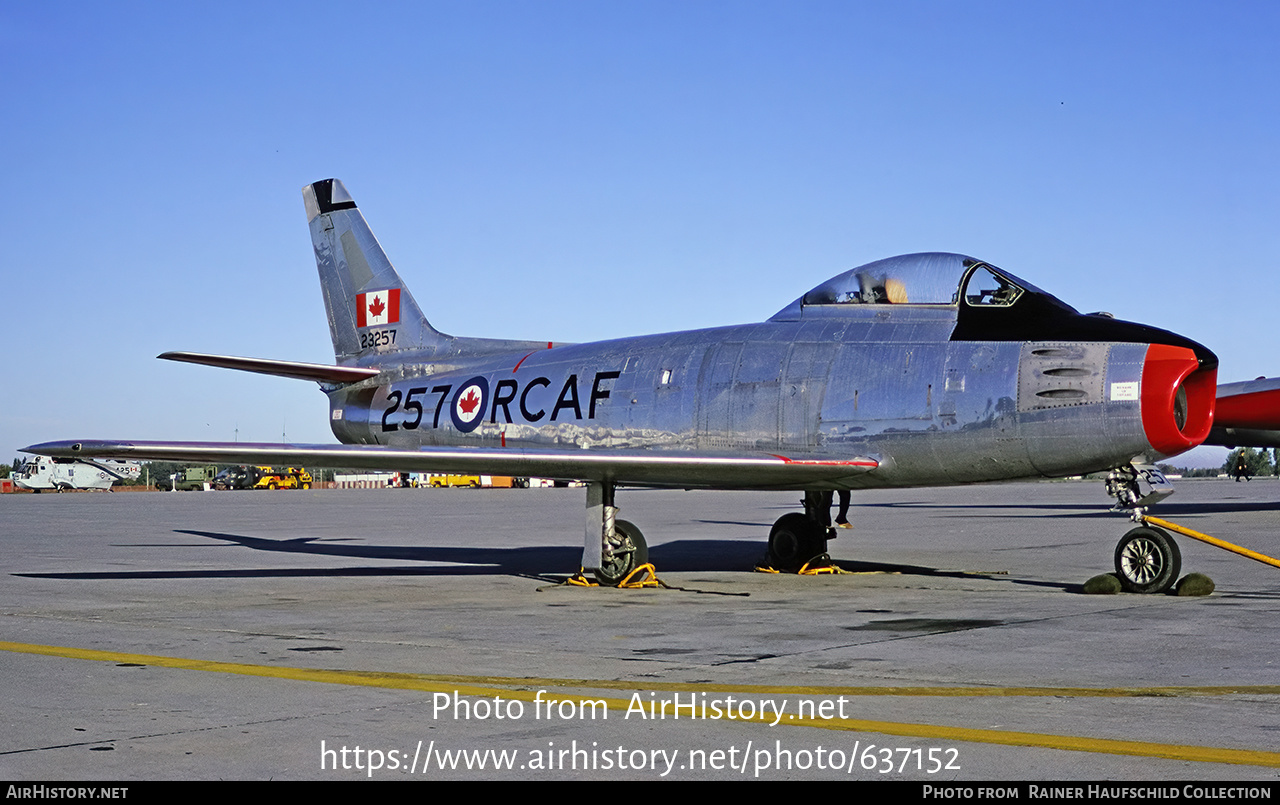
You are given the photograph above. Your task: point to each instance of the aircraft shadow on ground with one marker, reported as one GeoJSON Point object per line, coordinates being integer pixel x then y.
{"type": "Point", "coordinates": [675, 556]}
{"type": "Point", "coordinates": [463, 560]}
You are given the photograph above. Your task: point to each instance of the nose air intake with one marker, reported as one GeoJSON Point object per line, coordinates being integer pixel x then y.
{"type": "Point", "coordinates": [1177, 398]}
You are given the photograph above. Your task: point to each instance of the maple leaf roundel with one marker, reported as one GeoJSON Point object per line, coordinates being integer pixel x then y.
{"type": "Point", "coordinates": [469, 404]}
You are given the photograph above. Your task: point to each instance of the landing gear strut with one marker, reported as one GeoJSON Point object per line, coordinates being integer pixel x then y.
{"type": "Point", "coordinates": [796, 538]}
{"type": "Point", "coordinates": [612, 547]}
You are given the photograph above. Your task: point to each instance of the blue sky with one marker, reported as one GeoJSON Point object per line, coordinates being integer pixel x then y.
{"type": "Point", "coordinates": [582, 170]}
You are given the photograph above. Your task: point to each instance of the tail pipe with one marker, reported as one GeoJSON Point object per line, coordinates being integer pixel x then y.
{"type": "Point", "coordinates": [1178, 398]}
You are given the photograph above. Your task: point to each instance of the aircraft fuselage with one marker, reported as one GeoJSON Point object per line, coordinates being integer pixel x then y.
{"type": "Point", "coordinates": [884, 382]}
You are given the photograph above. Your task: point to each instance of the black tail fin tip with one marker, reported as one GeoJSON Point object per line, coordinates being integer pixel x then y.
{"type": "Point", "coordinates": [326, 195]}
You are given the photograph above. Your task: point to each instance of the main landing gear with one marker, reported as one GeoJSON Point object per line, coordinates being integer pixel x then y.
{"type": "Point", "coordinates": [622, 553]}
{"type": "Point", "coordinates": [796, 538]}
{"type": "Point", "coordinates": [611, 548]}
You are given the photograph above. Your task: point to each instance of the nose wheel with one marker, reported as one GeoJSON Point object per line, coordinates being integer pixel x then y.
{"type": "Point", "coordinates": [1147, 560]}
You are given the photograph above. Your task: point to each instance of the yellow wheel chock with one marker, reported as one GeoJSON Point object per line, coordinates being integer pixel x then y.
{"type": "Point", "coordinates": [828, 568]}
{"type": "Point", "coordinates": [645, 575]}
{"type": "Point", "coordinates": [820, 565]}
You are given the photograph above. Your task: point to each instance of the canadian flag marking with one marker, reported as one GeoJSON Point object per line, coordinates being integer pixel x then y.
{"type": "Point", "coordinates": [377, 308]}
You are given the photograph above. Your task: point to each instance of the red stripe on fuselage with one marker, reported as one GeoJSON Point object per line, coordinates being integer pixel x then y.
{"type": "Point", "coordinates": [826, 463]}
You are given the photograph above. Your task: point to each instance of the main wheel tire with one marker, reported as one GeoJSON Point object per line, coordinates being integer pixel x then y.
{"type": "Point", "coordinates": [1147, 561]}
{"type": "Point", "coordinates": [630, 552]}
{"type": "Point", "coordinates": [794, 540]}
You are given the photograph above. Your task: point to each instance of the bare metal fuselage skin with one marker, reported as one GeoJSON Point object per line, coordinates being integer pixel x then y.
{"type": "Point", "coordinates": [885, 383]}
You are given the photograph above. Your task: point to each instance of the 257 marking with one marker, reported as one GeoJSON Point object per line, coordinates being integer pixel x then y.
{"type": "Point", "coordinates": [410, 404]}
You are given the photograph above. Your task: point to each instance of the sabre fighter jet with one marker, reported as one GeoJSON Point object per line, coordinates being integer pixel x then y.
{"type": "Point", "coordinates": [919, 370]}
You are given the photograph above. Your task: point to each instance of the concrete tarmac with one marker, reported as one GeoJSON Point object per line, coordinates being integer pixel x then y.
{"type": "Point", "coordinates": [256, 635]}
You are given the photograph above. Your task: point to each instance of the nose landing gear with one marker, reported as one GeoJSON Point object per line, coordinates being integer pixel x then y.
{"type": "Point", "coordinates": [1147, 559]}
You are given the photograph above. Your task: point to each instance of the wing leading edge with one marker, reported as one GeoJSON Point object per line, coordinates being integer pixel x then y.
{"type": "Point", "coordinates": [630, 467]}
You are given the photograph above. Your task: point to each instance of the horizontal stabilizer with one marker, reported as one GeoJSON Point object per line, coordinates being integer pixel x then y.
{"type": "Point", "coordinates": [319, 372]}
{"type": "Point", "coordinates": [634, 467]}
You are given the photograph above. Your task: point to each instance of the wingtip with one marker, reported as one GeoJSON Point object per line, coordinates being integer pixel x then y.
{"type": "Point", "coordinates": [53, 448]}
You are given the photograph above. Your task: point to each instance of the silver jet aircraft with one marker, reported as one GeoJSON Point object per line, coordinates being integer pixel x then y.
{"type": "Point", "coordinates": [919, 370]}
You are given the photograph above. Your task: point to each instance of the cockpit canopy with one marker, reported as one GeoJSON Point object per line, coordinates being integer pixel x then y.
{"type": "Point", "coordinates": [928, 278]}
{"type": "Point", "coordinates": [978, 302]}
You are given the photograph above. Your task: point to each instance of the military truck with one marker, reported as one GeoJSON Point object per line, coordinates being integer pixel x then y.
{"type": "Point", "coordinates": [193, 478]}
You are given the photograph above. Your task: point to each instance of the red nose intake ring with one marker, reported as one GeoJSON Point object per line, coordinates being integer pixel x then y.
{"type": "Point", "coordinates": [1177, 399]}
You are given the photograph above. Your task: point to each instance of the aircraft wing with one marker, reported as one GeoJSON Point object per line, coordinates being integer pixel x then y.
{"type": "Point", "coordinates": [628, 467]}
{"type": "Point", "coordinates": [1247, 414]}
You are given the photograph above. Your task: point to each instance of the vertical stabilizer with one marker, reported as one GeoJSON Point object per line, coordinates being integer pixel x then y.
{"type": "Point", "coordinates": [370, 310]}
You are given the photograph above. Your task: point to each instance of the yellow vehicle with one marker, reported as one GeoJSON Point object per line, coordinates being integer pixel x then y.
{"type": "Point", "coordinates": [455, 480]}
{"type": "Point", "coordinates": [268, 478]}
{"type": "Point", "coordinates": [289, 478]}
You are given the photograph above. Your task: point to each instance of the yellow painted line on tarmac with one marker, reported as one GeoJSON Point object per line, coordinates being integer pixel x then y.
{"type": "Point", "coordinates": [448, 682]}
{"type": "Point", "coordinates": [492, 686]}
{"type": "Point", "coordinates": [1171, 691]}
